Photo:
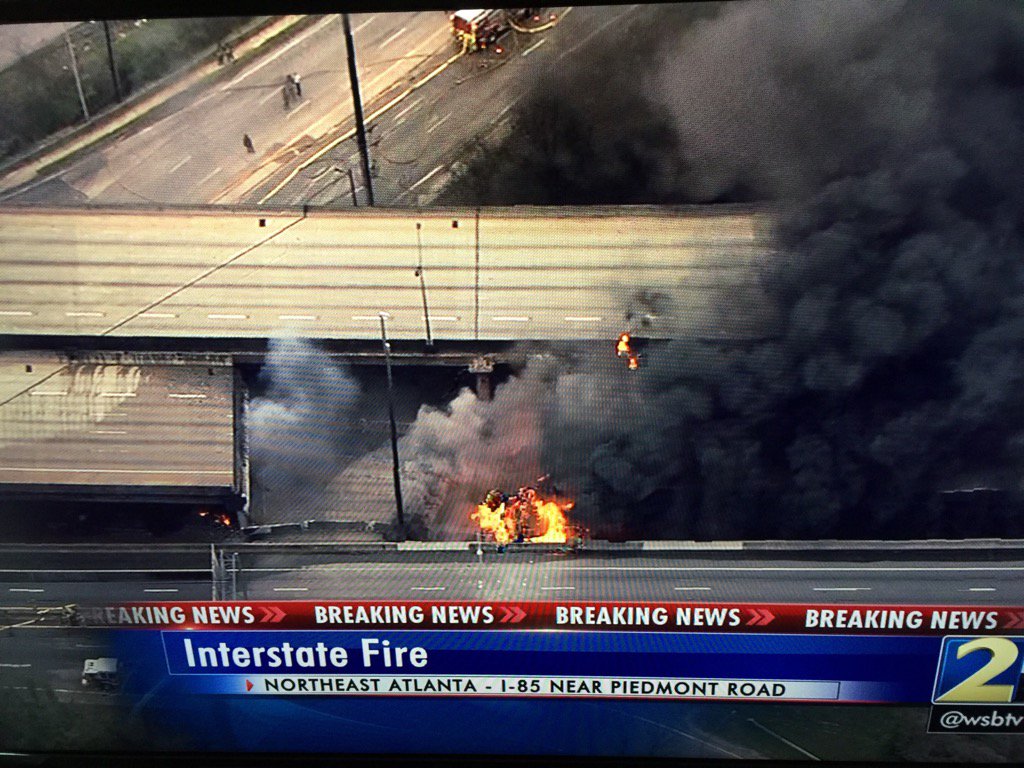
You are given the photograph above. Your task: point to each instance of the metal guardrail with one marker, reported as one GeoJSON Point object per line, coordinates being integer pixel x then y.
{"type": "Point", "coordinates": [339, 546]}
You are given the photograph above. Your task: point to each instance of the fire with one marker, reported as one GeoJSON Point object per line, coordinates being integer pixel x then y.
{"type": "Point", "coordinates": [218, 518]}
{"type": "Point", "coordinates": [525, 516]}
{"type": "Point", "coordinates": [623, 348]}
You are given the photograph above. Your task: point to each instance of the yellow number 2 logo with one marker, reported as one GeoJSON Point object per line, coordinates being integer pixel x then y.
{"type": "Point", "coordinates": [976, 688]}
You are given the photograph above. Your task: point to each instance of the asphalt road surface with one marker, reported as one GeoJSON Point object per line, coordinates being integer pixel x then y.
{"type": "Point", "coordinates": [196, 155]}
{"type": "Point", "coordinates": [418, 143]}
{"type": "Point", "coordinates": [560, 273]}
{"type": "Point", "coordinates": [426, 106]}
{"type": "Point", "coordinates": [86, 424]}
{"type": "Point", "coordinates": [525, 576]}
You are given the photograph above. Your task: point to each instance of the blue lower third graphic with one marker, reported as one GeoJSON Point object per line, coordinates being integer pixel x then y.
{"type": "Point", "coordinates": [395, 691]}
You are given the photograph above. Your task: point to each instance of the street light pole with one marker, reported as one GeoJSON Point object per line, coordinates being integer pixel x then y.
{"type": "Point", "coordinates": [78, 79]}
{"type": "Point", "coordinates": [423, 283]}
{"type": "Point", "coordinates": [394, 429]}
{"type": "Point", "coordinates": [110, 60]}
{"type": "Point", "coordinates": [357, 104]}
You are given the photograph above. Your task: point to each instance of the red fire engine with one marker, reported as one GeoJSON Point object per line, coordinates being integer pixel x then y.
{"type": "Point", "coordinates": [480, 28]}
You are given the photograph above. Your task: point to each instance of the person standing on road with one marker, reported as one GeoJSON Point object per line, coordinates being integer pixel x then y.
{"type": "Point", "coordinates": [297, 82]}
{"type": "Point", "coordinates": [286, 93]}
{"type": "Point", "coordinates": [247, 143]}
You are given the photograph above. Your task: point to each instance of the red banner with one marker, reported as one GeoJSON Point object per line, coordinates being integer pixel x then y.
{"type": "Point", "coordinates": [783, 618]}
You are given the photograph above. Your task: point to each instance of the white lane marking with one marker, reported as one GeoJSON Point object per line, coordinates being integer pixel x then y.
{"type": "Point", "coordinates": [534, 47]}
{"type": "Point", "coordinates": [160, 590]}
{"type": "Point", "coordinates": [187, 396]}
{"type": "Point", "coordinates": [439, 123]}
{"type": "Point", "coordinates": [510, 319]}
{"type": "Point", "coordinates": [979, 589]}
{"type": "Point", "coordinates": [446, 318]}
{"type": "Point", "coordinates": [509, 106]}
{"type": "Point", "coordinates": [291, 589]}
{"type": "Point", "coordinates": [367, 317]}
{"type": "Point", "coordinates": [278, 53]}
{"type": "Point", "coordinates": [110, 432]}
{"type": "Point", "coordinates": [425, 178]}
{"type": "Point", "coordinates": [297, 317]}
{"type": "Point", "coordinates": [408, 109]}
{"type": "Point", "coordinates": [584, 319]}
{"type": "Point", "coordinates": [83, 314]}
{"type": "Point", "coordinates": [692, 589]}
{"type": "Point", "coordinates": [46, 393]}
{"type": "Point", "coordinates": [8, 665]}
{"type": "Point", "coordinates": [392, 38]}
{"type": "Point", "coordinates": [88, 645]}
{"type": "Point", "coordinates": [841, 589]}
{"type": "Point", "coordinates": [597, 31]}
{"type": "Point", "coordinates": [226, 472]}
{"type": "Point", "coordinates": [365, 23]}
{"type": "Point", "coordinates": [180, 163]}
{"type": "Point", "coordinates": [557, 589]}
{"type": "Point", "coordinates": [784, 740]}
{"type": "Point", "coordinates": [217, 316]}
{"type": "Point", "coordinates": [24, 589]}
{"type": "Point", "coordinates": [15, 313]}
{"type": "Point", "coordinates": [159, 315]}
{"type": "Point", "coordinates": [305, 103]}
{"type": "Point", "coordinates": [273, 93]}
{"type": "Point", "coordinates": [117, 394]}
{"type": "Point", "coordinates": [428, 589]}
{"type": "Point", "coordinates": [206, 178]}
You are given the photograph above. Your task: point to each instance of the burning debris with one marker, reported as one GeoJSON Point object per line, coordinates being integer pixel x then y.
{"type": "Point", "coordinates": [525, 516]}
{"type": "Point", "coordinates": [218, 519]}
{"type": "Point", "coordinates": [624, 348]}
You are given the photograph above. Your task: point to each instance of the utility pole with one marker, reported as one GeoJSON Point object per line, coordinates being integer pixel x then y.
{"type": "Point", "coordinates": [357, 104]}
{"type": "Point", "coordinates": [394, 429]}
{"type": "Point", "coordinates": [110, 60]}
{"type": "Point", "coordinates": [423, 283]}
{"type": "Point", "coordinates": [78, 79]}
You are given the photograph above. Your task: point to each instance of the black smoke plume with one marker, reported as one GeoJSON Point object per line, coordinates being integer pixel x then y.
{"type": "Point", "coordinates": [887, 139]}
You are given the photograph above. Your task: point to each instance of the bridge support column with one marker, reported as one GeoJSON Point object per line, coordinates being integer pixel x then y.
{"type": "Point", "coordinates": [483, 367]}
{"type": "Point", "coordinates": [243, 479]}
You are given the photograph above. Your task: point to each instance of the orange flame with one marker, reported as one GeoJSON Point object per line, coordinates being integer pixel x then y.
{"type": "Point", "coordinates": [622, 348]}
{"type": "Point", "coordinates": [634, 362]}
{"type": "Point", "coordinates": [552, 521]}
{"type": "Point", "coordinates": [496, 522]}
{"type": "Point", "coordinates": [525, 517]}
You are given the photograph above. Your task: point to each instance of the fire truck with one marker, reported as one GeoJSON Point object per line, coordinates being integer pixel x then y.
{"type": "Point", "coordinates": [481, 28]}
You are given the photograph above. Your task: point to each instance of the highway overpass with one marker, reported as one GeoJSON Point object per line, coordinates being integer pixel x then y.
{"type": "Point", "coordinates": [492, 275]}
{"type": "Point", "coordinates": [164, 434]}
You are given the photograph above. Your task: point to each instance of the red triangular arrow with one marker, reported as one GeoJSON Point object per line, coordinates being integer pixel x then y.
{"type": "Point", "coordinates": [248, 685]}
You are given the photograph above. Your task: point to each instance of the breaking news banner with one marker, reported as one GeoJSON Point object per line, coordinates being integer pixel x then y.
{"type": "Point", "coordinates": [360, 659]}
